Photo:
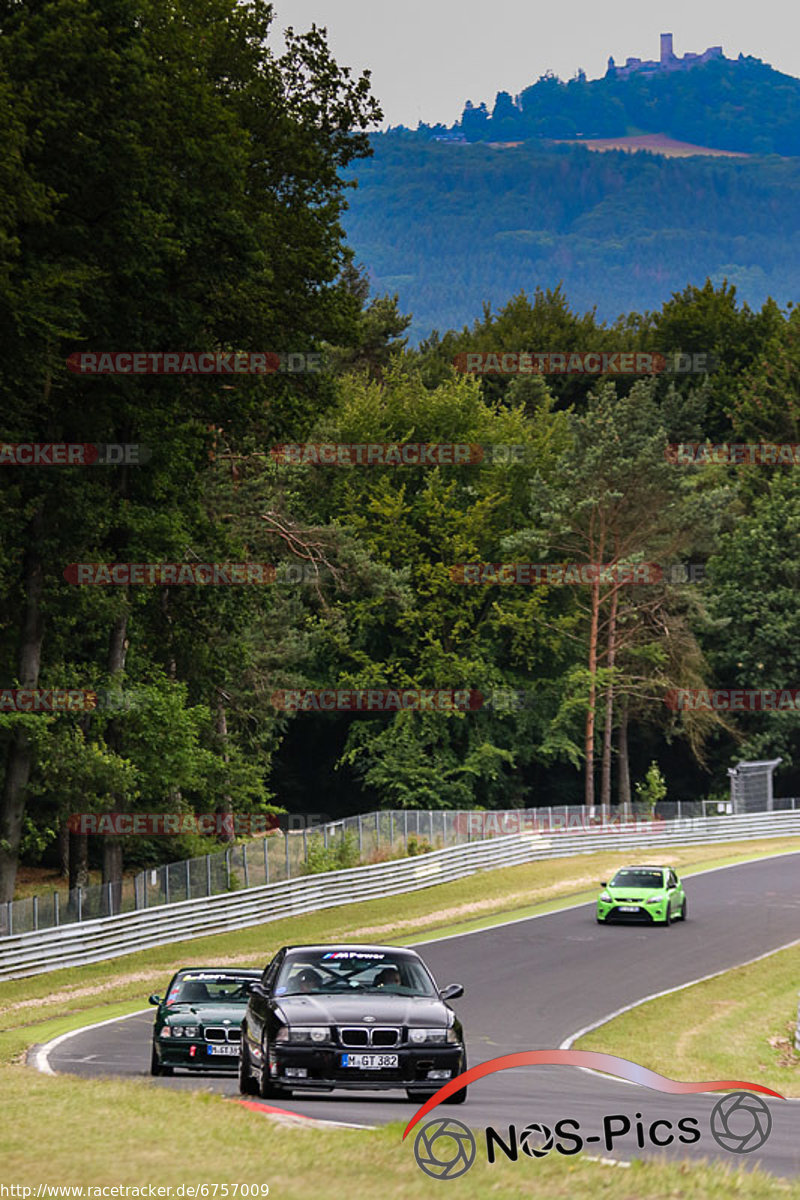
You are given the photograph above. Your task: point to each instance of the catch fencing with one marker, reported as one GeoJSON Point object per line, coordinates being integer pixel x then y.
{"type": "Point", "coordinates": [287, 854]}
{"type": "Point", "coordinates": [36, 951]}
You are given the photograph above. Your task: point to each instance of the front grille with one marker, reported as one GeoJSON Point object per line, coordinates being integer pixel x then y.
{"type": "Point", "coordinates": [222, 1033]}
{"type": "Point", "coordinates": [385, 1037]}
{"type": "Point", "coordinates": [366, 1035]}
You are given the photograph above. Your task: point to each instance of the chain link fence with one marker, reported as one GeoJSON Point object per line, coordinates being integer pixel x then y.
{"type": "Point", "coordinates": [349, 842]}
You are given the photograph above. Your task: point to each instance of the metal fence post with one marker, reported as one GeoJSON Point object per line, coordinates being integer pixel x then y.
{"type": "Point", "coordinates": [305, 845]}
{"type": "Point", "coordinates": [430, 822]}
{"type": "Point", "coordinates": [286, 847]}
{"type": "Point", "coordinates": [680, 810]}
{"type": "Point", "coordinates": [325, 836]}
{"type": "Point", "coordinates": [80, 903]}
{"type": "Point", "coordinates": [208, 874]}
{"type": "Point", "coordinates": [109, 899]}
{"type": "Point", "coordinates": [166, 884]}
{"type": "Point", "coordinates": [35, 907]}
{"type": "Point", "coordinates": [377, 830]}
{"type": "Point", "coordinates": [266, 860]}
{"type": "Point", "coordinates": [360, 837]}
{"type": "Point", "coordinates": [228, 867]}
{"type": "Point", "coordinates": [55, 908]}
{"type": "Point", "coordinates": [244, 865]}
{"type": "Point", "coordinates": [188, 882]}
{"type": "Point", "coordinates": [391, 829]}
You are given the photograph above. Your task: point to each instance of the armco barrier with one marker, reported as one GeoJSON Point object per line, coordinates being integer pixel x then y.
{"type": "Point", "coordinates": [109, 937]}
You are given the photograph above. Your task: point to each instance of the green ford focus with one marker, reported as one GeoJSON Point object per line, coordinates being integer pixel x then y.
{"type": "Point", "coordinates": [645, 895]}
{"type": "Point", "coordinates": [198, 1023]}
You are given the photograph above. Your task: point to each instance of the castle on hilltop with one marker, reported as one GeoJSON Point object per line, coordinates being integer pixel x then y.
{"type": "Point", "coordinates": [669, 61]}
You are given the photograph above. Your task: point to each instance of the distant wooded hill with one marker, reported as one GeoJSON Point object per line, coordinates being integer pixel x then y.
{"type": "Point", "coordinates": [730, 104]}
{"type": "Point", "coordinates": [448, 228]}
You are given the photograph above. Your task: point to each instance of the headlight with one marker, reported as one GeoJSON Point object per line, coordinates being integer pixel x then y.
{"type": "Point", "coordinates": [166, 1032]}
{"type": "Point", "coordinates": [303, 1033]}
{"type": "Point", "coordinates": [419, 1037]}
{"type": "Point", "coordinates": [656, 900]}
{"type": "Point", "coordinates": [604, 896]}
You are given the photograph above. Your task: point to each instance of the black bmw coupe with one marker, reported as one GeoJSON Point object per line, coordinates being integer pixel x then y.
{"type": "Point", "coordinates": [362, 1017]}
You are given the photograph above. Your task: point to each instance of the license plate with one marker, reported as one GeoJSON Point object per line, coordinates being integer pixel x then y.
{"type": "Point", "coordinates": [370, 1062]}
{"type": "Point", "coordinates": [230, 1051]}
{"type": "Point", "coordinates": [627, 908]}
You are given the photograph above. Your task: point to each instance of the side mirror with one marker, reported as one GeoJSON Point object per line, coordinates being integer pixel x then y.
{"type": "Point", "coordinates": [602, 883]}
{"type": "Point", "coordinates": [452, 991]}
{"type": "Point", "coordinates": [154, 999]}
{"type": "Point", "coordinates": [251, 986]}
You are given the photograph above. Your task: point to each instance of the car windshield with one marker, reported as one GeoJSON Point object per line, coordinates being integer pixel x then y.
{"type": "Point", "coordinates": [341, 971]}
{"type": "Point", "coordinates": [203, 988]}
{"type": "Point", "coordinates": [632, 878]}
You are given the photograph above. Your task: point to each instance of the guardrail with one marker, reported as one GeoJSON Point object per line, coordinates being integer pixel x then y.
{"type": "Point", "coordinates": [110, 937]}
{"type": "Point", "coordinates": [283, 855]}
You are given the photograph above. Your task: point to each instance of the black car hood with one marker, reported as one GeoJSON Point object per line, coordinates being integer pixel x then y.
{"type": "Point", "coordinates": [355, 1010]}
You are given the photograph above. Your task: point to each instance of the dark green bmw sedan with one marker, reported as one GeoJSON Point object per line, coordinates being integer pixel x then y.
{"type": "Point", "coordinates": [198, 1021]}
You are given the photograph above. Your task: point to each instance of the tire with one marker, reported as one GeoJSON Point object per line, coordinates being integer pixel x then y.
{"type": "Point", "coordinates": [460, 1096]}
{"type": "Point", "coordinates": [156, 1067]}
{"type": "Point", "coordinates": [668, 918]}
{"type": "Point", "coordinates": [247, 1085]}
{"type": "Point", "coordinates": [268, 1090]}
{"type": "Point", "coordinates": [599, 920]}
{"type": "Point", "coordinates": [683, 909]}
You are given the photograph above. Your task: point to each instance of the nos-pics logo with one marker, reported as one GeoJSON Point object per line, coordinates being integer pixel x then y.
{"type": "Point", "coordinates": [446, 1149]}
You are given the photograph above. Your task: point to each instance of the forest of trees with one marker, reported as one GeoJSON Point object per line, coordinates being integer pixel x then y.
{"type": "Point", "coordinates": [178, 187]}
{"type": "Point", "coordinates": [450, 227]}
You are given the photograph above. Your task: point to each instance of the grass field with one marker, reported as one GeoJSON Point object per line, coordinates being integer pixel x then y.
{"type": "Point", "coordinates": [79, 1131]}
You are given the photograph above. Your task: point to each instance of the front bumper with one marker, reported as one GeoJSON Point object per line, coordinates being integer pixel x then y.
{"type": "Point", "coordinates": [323, 1068]}
{"type": "Point", "coordinates": [644, 914]}
{"type": "Point", "coordinates": [194, 1055]}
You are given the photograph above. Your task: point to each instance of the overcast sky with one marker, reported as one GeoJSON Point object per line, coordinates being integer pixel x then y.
{"type": "Point", "coordinates": [428, 56]}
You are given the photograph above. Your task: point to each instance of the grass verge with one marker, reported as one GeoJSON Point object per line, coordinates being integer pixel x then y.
{"type": "Point", "coordinates": [737, 1026]}
{"type": "Point", "coordinates": [95, 1133]}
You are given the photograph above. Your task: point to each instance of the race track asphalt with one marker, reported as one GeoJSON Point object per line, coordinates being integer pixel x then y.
{"type": "Point", "coordinates": [531, 984]}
